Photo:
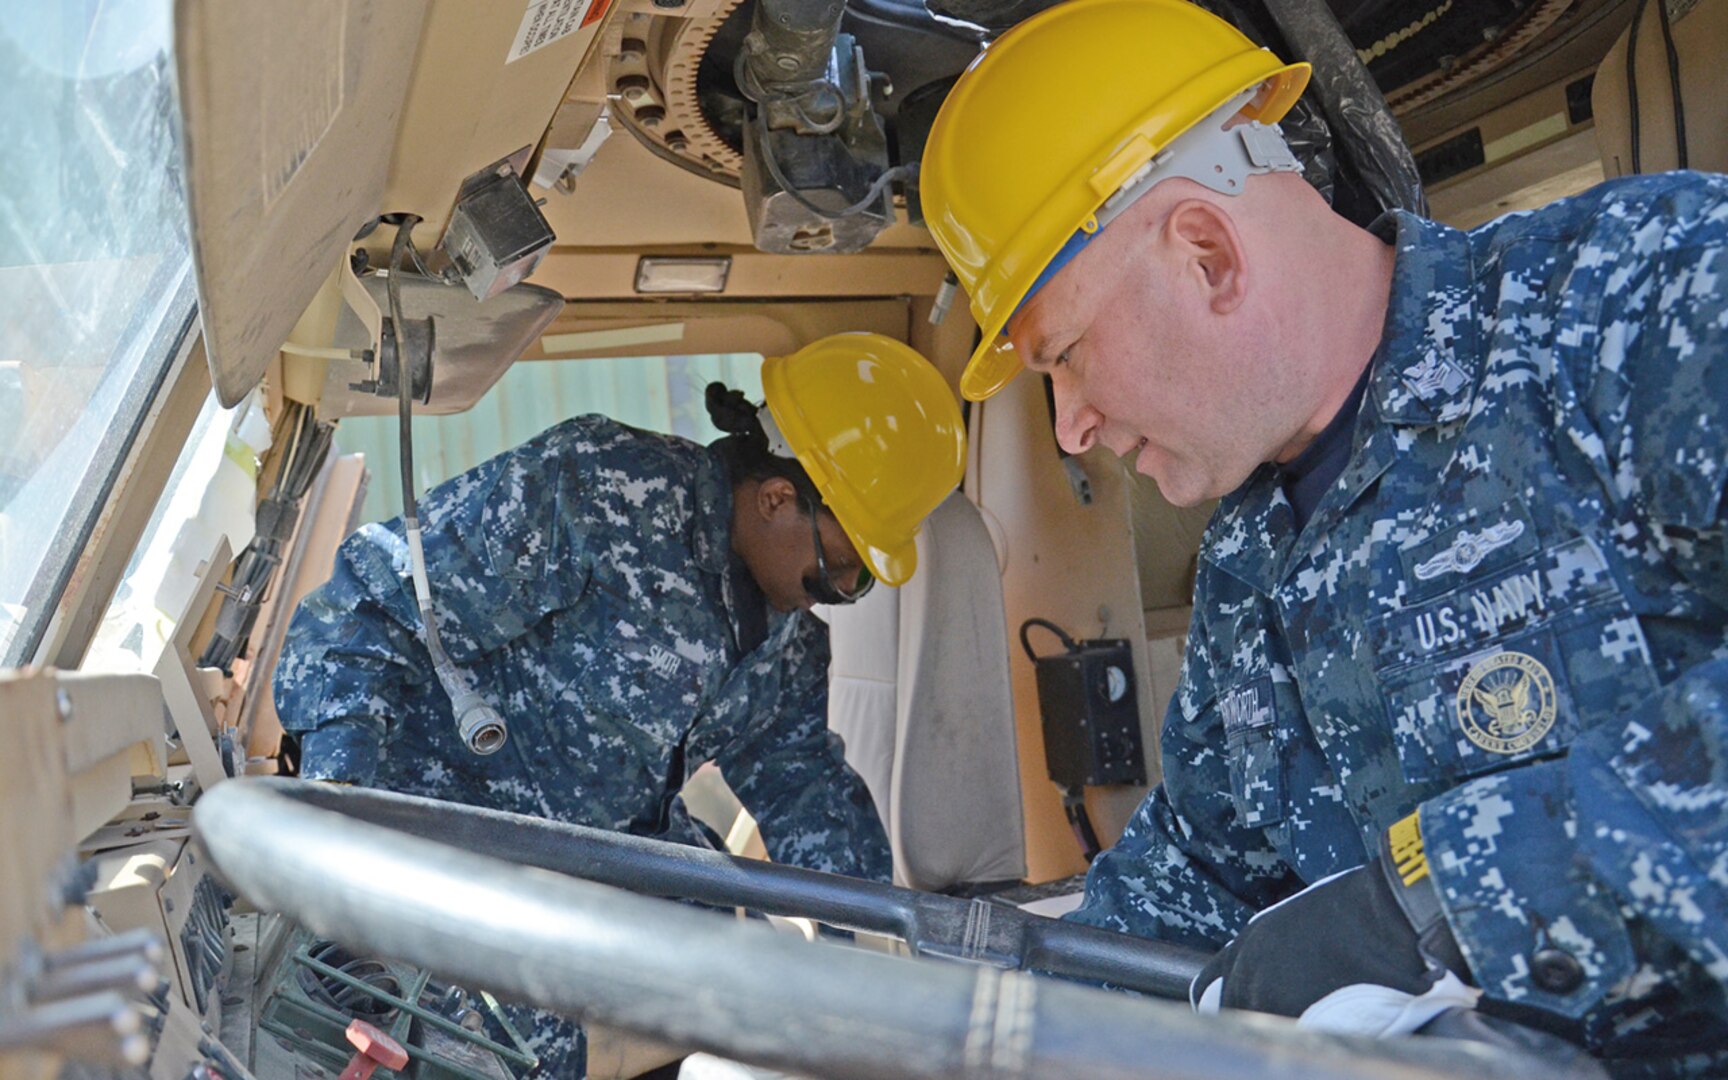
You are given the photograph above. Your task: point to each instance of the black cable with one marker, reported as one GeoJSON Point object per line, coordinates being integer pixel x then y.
{"type": "Point", "coordinates": [404, 425]}
{"type": "Point", "coordinates": [1632, 82]}
{"type": "Point", "coordinates": [404, 376]}
{"type": "Point", "coordinates": [1673, 82]}
{"type": "Point", "coordinates": [479, 725]}
{"type": "Point", "coordinates": [354, 1001]}
{"type": "Point", "coordinates": [449, 276]}
{"type": "Point", "coordinates": [305, 442]}
{"type": "Point", "coordinates": [1068, 642]}
{"type": "Point", "coordinates": [414, 253]}
{"type": "Point", "coordinates": [1074, 806]}
{"type": "Point", "coordinates": [750, 88]}
{"type": "Point", "coordinates": [404, 416]}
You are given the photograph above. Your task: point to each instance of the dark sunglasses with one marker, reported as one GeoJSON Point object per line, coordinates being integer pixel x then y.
{"type": "Point", "coordinates": [819, 585]}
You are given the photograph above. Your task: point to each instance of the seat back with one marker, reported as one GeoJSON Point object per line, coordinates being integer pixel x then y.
{"type": "Point", "coordinates": [919, 690]}
{"type": "Point", "coordinates": [1700, 36]}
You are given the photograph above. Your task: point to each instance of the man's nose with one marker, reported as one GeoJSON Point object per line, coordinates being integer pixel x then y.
{"type": "Point", "coordinates": [1077, 422]}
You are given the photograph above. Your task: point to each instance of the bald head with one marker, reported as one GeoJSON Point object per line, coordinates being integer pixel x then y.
{"type": "Point", "coordinates": [1203, 334]}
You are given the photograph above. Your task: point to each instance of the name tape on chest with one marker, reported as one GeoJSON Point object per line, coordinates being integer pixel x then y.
{"type": "Point", "coordinates": [663, 661]}
{"type": "Point", "coordinates": [1247, 707]}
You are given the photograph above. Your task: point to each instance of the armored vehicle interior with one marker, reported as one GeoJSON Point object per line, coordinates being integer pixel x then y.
{"type": "Point", "coordinates": [238, 237]}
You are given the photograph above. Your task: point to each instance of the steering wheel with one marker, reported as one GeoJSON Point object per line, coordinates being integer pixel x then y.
{"type": "Point", "coordinates": [493, 899]}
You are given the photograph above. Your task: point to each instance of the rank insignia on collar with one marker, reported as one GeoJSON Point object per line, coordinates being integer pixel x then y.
{"type": "Point", "coordinates": [1506, 703]}
{"type": "Point", "coordinates": [1433, 375]}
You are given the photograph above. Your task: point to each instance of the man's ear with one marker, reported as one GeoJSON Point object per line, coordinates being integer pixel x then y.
{"type": "Point", "coordinates": [1207, 245]}
{"type": "Point", "coordinates": [774, 495]}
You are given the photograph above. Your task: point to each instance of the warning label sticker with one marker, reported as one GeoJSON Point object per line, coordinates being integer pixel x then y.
{"type": "Point", "coordinates": [548, 20]}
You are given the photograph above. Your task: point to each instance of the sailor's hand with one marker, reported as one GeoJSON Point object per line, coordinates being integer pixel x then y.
{"type": "Point", "coordinates": [1341, 955]}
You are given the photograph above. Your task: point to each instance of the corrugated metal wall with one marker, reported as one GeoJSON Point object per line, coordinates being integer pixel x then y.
{"type": "Point", "coordinates": [661, 393]}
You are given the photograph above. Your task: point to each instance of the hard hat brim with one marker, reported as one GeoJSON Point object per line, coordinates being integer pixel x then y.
{"type": "Point", "coordinates": [990, 369]}
{"type": "Point", "coordinates": [891, 567]}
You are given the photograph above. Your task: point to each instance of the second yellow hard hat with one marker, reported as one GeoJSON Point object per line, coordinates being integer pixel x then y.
{"type": "Point", "coordinates": [1051, 119]}
{"type": "Point", "coordinates": [879, 432]}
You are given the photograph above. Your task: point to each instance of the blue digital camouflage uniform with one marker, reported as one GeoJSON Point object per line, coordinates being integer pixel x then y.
{"type": "Point", "coordinates": [1510, 613]}
{"type": "Point", "coordinates": [585, 581]}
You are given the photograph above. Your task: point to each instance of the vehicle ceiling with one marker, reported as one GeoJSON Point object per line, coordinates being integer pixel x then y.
{"type": "Point", "coordinates": [367, 108]}
{"type": "Point", "coordinates": [1437, 63]}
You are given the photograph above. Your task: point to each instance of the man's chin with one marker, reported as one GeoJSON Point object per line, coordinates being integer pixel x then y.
{"type": "Point", "coordinates": [1179, 487]}
{"type": "Point", "coordinates": [1181, 499]}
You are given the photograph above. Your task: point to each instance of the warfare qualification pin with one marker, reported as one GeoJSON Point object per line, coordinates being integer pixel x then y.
{"type": "Point", "coordinates": [1506, 704]}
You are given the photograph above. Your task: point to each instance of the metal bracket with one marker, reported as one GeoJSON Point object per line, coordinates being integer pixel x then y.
{"type": "Point", "coordinates": [190, 712]}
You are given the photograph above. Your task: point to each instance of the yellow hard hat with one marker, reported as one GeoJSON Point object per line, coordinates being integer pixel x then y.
{"type": "Point", "coordinates": [1051, 119]}
{"type": "Point", "coordinates": [878, 430]}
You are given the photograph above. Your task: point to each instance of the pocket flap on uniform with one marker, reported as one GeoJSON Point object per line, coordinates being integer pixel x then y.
{"type": "Point", "coordinates": [636, 670]}
{"type": "Point", "coordinates": [1568, 580]}
{"type": "Point", "coordinates": [1510, 665]}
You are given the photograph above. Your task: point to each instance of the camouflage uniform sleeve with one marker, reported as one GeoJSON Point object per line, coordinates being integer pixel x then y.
{"type": "Point", "coordinates": [1186, 870]}
{"type": "Point", "coordinates": [1630, 824]}
{"type": "Point", "coordinates": [501, 553]}
{"type": "Point", "coordinates": [790, 771]}
{"type": "Point", "coordinates": [346, 667]}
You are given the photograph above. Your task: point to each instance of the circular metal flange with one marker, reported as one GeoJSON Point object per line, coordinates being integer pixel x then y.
{"type": "Point", "coordinates": [652, 80]}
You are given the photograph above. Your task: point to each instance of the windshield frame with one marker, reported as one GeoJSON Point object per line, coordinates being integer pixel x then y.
{"type": "Point", "coordinates": [168, 352]}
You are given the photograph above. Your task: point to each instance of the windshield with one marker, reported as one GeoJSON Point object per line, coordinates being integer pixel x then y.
{"type": "Point", "coordinates": [95, 281]}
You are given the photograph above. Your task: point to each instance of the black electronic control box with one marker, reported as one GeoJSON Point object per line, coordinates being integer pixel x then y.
{"type": "Point", "coordinates": [1091, 714]}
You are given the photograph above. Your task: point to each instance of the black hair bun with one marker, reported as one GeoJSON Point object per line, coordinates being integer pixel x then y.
{"type": "Point", "coordinates": [732, 412]}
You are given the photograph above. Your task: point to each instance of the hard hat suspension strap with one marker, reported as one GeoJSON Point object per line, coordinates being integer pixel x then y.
{"type": "Point", "coordinates": [1210, 154]}
{"type": "Point", "coordinates": [777, 444]}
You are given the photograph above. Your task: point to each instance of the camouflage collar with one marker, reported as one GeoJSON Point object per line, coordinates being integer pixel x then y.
{"type": "Point", "coordinates": [1425, 372]}
{"type": "Point", "coordinates": [1428, 360]}
{"type": "Point", "coordinates": [712, 526]}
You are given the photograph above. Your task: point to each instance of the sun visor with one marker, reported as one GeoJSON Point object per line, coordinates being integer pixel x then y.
{"type": "Point", "coordinates": [289, 114]}
{"type": "Point", "coordinates": [473, 343]}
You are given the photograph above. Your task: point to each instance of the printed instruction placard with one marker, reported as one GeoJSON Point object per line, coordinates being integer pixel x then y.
{"type": "Point", "coordinates": [548, 20]}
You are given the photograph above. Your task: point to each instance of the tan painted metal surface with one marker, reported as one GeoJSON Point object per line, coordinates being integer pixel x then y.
{"type": "Point", "coordinates": [287, 149]}
{"type": "Point", "coordinates": [1075, 565]}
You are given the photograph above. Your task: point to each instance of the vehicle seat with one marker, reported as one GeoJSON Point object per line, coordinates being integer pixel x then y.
{"type": "Point", "coordinates": [1700, 41]}
{"type": "Point", "coordinates": [919, 690]}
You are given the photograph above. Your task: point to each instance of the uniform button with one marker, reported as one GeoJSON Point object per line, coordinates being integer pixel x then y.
{"type": "Point", "coordinates": [1556, 970]}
